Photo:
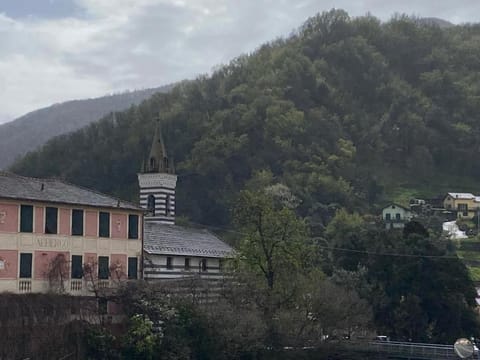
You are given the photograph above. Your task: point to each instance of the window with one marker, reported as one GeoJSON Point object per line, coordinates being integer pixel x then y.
{"type": "Point", "coordinates": [463, 208]}
{"type": "Point", "coordinates": [151, 204]}
{"type": "Point", "coordinates": [26, 218]}
{"type": "Point", "coordinates": [203, 265]}
{"type": "Point", "coordinates": [187, 263]}
{"type": "Point", "coordinates": [77, 267]}
{"type": "Point", "coordinates": [169, 263]}
{"type": "Point", "coordinates": [167, 205]}
{"type": "Point", "coordinates": [25, 265]}
{"type": "Point", "coordinates": [104, 224]}
{"type": "Point", "coordinates": [132, 267]}
{"type": "Point", "coordinates": [77, 222]}
{"type": "Point", "coordinates": [133, 226]}
{"type": "Point", "coordinates": [51, 220]}
{"type": "Point", "coordinates": [397, 216]}
{"type": "Point", "coordinates": [103, 271]}
{"type": "Point", "coordinates": [388, 216]}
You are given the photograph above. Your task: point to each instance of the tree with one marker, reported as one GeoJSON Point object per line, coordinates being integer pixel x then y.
{"type": "Point", "coordinates": [274, 248]}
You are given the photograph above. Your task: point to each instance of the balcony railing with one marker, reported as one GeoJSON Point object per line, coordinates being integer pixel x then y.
{"type": "Point", "coordinates": [25, 286]}
{"type": "Point", "coordinates": [76, 285]}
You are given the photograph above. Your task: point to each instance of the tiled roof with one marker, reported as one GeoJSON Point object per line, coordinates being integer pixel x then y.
{"type": "Point", "coordinates": [463, 196]}
{"type": "Point", "coordinates": [177, 240]}
{"type": "Point", "coordinates": [52, 190]}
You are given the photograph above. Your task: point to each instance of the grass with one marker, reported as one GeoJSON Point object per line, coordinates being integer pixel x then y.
{"type": "Point", "coordinates": [474, 273]}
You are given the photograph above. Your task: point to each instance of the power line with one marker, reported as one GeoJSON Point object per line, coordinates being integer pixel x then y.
{"type": "Point", "coordinates": [390, 254]}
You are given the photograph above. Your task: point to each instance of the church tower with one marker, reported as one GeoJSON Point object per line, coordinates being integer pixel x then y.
{"type": "Point", "coordinates": [157, 183]}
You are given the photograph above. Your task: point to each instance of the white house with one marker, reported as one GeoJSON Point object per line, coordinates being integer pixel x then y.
{"type": "Point", "coordinates": [395, 216]}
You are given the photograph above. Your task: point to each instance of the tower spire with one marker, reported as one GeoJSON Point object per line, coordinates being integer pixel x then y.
{"type": "Point", "coordinates": [158, 161]}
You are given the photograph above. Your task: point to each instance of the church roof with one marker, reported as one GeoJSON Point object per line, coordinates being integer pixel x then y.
{"type": "Point", "coordinates": [18, 187]}
{"type": "Point", "coordinates": [163, 239]}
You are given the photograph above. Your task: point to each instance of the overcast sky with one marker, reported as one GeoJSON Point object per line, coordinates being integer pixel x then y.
{"type": "Point", "coordinates": [57, 50]}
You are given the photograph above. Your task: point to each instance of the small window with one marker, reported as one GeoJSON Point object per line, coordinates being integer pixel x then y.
{"type": "Point", "coordinates": [104, 224]}
{"type": "Point", "coordinates": [151, 204]}
{"type": "Point", "coordinates": [167, 205]}
{"type": "Point", "coordinates": [25, 266]}
{"type": "Point", "coordinates": [388, 216]}
{"type": "Point", "coordinates": [187, 263]}
{"type": "Point", "coordinates": [77, 222]}
{"type": "Point", "coordinates": [132, 268]}
{"type": "Point", "coordinates": [51, 220]}
{"type": "Point", "coordinates": [77, 267]}
{"type": "Point", "coordinates": [393, 206]}
{"type": "Point", "coordinates": [169, 263]}
{"type": "Point", "coordinates": [26, 218]}
{"type": "Point", "coordinates": [397, 216]}
{"type": "Point", "coordinates": [203, 265]}
{"type": "Point", "coordinates": [133, 226]}
{"type": "Point", "coordinates": [103, 271]}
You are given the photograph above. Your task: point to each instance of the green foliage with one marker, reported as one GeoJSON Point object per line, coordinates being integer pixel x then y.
{"type": "Point", "coordinates": [274, 243]}
{"type": "Point", "coordinates": [418, 288]}
{"type": "Point", "coordinates": [140, 339]}
{"type": "Point", "coordinates": [345, 112]}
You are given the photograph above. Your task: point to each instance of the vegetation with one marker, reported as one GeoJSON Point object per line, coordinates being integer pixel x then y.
{"type": "Point", "coordinates": [287, 147]}
{"type": "Point", "coordinates": [34, 129]}
{"type": "Point", "coordinates": [345, 112]}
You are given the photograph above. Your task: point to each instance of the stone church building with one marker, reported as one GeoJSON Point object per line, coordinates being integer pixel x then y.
{"type": "Point", "coordinates": [172, 251]}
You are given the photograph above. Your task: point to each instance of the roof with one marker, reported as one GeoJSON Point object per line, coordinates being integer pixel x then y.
{"type": "Point", "coordinates": [397, 205]}
{"type": "Point", "coordinates": [163, 239]}
{"type": "Point", "coordinates": [463, 196]}
{"type": "Point", "coordinates": [14, 186]}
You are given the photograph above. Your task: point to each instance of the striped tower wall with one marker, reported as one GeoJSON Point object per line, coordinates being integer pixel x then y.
{"type": "Point", "coordinates": [162, 187]}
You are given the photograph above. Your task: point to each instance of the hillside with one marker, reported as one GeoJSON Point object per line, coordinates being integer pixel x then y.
{"type": "Point", "coordinates": [348, 112]}
{"type": "Point", "coordinates": [28, 132]}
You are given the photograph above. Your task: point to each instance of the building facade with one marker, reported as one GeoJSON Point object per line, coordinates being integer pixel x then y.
{"type": "Point", "coordinates": [58, 237]}
{"type": "Point", "coordinates": [172, 251]}
{"type": "Point", "coordinates": [396, 216]}
{"type": "Point", "coordinates": [466, 205]}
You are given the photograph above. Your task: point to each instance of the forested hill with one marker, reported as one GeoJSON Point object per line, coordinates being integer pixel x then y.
{"type": "Point", "coordinates": [348, 112]}
{"type": "Point", "coordinates": [28, 132]}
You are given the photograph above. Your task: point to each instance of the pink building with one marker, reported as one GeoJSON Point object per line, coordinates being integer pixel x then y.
{"type": "Point", "coordinates": [60, 237]}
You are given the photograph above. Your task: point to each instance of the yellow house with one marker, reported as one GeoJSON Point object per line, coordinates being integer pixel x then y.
{"type": "Point", "coordinates": [465, 204]}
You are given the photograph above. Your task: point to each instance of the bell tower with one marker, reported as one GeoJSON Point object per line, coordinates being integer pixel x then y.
{"type": "Point", "coordinates": [157, 181]}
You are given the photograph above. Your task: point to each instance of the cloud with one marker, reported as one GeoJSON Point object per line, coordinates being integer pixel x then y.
{"type": "Point", "coordinates": [112, 45]}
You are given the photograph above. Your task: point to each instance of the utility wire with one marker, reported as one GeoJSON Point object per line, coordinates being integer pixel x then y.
{"type": "Point", "coordinates": [390, 254]}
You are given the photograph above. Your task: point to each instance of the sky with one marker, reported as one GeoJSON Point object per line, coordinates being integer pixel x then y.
{"type": "Point", "coordinates": [57, 50]}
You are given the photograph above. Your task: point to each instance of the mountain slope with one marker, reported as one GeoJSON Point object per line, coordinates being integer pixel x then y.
{"type": "Point", "coordinates": [34, 129]}
{"type": "Point", "coordinates": [346, 112]}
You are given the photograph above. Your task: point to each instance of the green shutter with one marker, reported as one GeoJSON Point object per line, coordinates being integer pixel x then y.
{"type": "Point", "coordinates": [26, 218]}
{"type": "Point", "coordinates": [77, 267]}
{"type": "Point", "coordinates": [133, 226]}
{"type": "Point", "coordinates": [132, 267]}
{"type": "Point", "coordinates": [25, 266]}
{"type": "Point", "coordinates": [77, 222]}
{"type": "Point", "coordinates": [104, 224]}
{"type": "Point", "coordinates": [103, 270]}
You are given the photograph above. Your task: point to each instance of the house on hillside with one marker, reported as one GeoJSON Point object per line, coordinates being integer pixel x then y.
{"type": "Point", "coordinates": [52, 233]}
{"type": "Point", "coordinates": [172, 251]}
{"type": "Point", "coordinates": [466, 205]}
{"type": "Point", "coordinates": [395, 216]}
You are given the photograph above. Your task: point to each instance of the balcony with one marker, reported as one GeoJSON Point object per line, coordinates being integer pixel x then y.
{"type": "Point", "coordinates": [76, 285]}
{"type": "Point", "coordinates": [25, 286]}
